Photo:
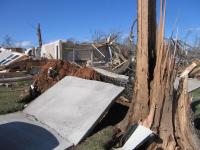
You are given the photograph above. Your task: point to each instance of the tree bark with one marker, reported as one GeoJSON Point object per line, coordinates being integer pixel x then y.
{"type": "Point", "coordinates": [141, 97]}
{"type": "Point", "coordinates": [156, 105]}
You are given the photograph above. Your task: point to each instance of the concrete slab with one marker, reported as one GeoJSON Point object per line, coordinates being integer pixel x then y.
{"type": "Point", "coordinates": [193, 84]}
{"type": "Point", "coordinates": [19, 131]}
{"type": "Point", "coordinates": [73, 106]}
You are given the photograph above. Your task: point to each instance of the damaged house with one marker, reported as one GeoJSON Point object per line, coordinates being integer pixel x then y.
{"type": "Point", "coordinates": [108, 55]}
{"type": "Point", "coordinates": [77, 53]}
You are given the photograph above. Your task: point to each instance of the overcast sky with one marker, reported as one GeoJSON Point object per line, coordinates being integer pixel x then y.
{"type": "Point", "coordinates": [79, 19]}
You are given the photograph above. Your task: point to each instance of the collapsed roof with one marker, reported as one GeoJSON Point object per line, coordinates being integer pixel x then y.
{"type": "Point", "coordinates": [7, 57]}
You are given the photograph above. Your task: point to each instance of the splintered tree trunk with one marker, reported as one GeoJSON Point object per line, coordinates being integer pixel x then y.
{"type": "Point", "coordinates": [39, 36]}
{"type": "Point", "coordinates": [142, 97]}
{"type": "Point", "coordinates": [145, 64]}
{"type": "Point", "coordinates": [155, 104]}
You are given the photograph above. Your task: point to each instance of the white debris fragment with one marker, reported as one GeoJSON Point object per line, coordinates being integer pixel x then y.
{"type": "Point", "coordinates": [139, 136]}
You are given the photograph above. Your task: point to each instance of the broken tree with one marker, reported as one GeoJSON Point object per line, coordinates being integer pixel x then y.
{"type": "Point", "coordinates": [155, 104]}
{"type": "Point", "coordinates": [39, 36]}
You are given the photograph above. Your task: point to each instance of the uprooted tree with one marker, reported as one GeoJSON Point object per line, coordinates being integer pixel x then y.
{"type": "Point", "coordinates": [156, 104]}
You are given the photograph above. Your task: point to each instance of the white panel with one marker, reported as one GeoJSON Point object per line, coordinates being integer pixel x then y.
{"type": "Point", "coordinates": [73, 106]}
{"type": "Point", "coordinates": [138, 137]}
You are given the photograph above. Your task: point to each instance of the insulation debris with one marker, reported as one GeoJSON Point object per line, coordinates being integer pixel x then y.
{"type": "Point", "coordinates": [55, 70]}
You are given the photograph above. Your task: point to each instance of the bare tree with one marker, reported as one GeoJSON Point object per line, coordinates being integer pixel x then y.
{"type": "Point", "coordinates": [7, 41]}
{"type": "Point", "coordinates": [98, 37]}
{"type": "Point", "coordinates": [131, 36]}
{"type": "Point", "coordinates": [101, 37]}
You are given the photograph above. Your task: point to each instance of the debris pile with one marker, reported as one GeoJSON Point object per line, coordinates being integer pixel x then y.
{"type": "Point", "coordinates": [107, 54]}
{"type": "Point", "coordinates": [119, 80]}
{"type": "Point", "coordinates": [193, 69]}
{"type": "Point", "coordinates": [26, 65]}
{"type": "Point", "coordinates": [87, 73]}
{"type": "Point", "coordinates": [55, 70]}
